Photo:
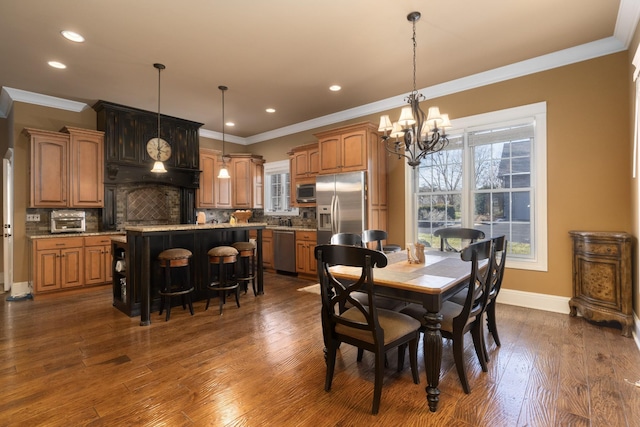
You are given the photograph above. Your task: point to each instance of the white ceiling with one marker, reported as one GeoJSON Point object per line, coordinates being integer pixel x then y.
{"type": "Point", "coordinates": [286, 53]}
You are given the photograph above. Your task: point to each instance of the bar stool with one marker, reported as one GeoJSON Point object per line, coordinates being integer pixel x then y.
{"type": "Point", "coordinates": [222, 278]}
{"type": "Point", "coordinates": [247, 266]}
{"type": "Point", "coordinates": [174, 258]}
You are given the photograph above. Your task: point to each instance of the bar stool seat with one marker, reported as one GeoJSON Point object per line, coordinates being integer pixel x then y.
{"type": "Point", "coordinates": [169, 259]}
{"type": "Point", "coordinates": [247, 265]}
{"type": "Point", "coordinates": [222, 278]}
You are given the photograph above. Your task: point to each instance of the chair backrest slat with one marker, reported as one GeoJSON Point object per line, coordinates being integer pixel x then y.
{"type": "Point", "coordinates": [374, 236]}
{"type": "Point", "coordinates": [350, 239]}
{"type": "Point", "coordinates": [464, 234]}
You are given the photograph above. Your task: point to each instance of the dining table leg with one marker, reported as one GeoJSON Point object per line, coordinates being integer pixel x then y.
{"type": "Point", "coordinates": [432, 357]}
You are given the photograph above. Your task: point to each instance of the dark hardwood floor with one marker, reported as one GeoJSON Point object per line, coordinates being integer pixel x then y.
{"type": "Point", "coordinates": [75, 360]}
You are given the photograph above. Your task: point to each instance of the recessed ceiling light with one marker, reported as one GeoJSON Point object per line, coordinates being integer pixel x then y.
{"type": "Point", "coordinates": [73, 36]}
{"type": "Point", "coordinates": [270, 110]}
{"type": "Point", "coordinates": [334, 88]}
{"type": "Point", "coordinates": [229, 124]}
{"type": "Point", "coordinates": [56, 64]}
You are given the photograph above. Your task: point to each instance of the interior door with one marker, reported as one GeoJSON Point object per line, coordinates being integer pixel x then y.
{"type": "Point", "coordinates": [7, 218]}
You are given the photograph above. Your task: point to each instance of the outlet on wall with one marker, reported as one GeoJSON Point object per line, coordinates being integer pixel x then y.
{"type": "Point", "coordinates": [33, 217]}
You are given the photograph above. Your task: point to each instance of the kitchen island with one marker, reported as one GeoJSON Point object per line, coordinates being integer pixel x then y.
{"type": "Point", "coordinates": [138, 294]}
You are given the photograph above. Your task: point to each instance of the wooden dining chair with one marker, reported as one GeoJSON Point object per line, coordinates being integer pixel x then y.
{"type": "Point", "coordinates": [499, 260]}
{"type": "Point", "coordinates": [458, 319]}
{"type": "Point", "coordinates": [465, 235]}
{"type": "Point", "coordinates": [350, 239]}
{"type": "Point", "coordinates": [363, 326]}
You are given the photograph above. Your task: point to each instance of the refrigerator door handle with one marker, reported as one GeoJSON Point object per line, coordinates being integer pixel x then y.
{"type": "Point", "coordinates": [337, 213]}
{"type": "Point", "coordinates": [333, 215]}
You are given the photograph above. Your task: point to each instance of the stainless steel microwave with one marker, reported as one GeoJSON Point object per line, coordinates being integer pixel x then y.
{"type": "Point", "coordinates": [306, 193]}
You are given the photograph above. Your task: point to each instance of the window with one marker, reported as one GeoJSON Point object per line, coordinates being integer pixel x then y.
{"type": "Point", "coordinates": [277, 189]}
{"type": "Point", "coordinates": [492, 177]}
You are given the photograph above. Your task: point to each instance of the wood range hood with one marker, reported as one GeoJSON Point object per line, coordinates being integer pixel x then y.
{"type": "Point", "coordinates": [126, 132]}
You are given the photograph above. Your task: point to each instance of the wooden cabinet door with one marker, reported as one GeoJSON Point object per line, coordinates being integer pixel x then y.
{"type": "Point", "coordinates": [313, 160]}
{"type": "Point", "coordinates": [354, 151]}
{"type": "Point", "coordinates": [94, 265]}
{"type": "Point", "coordinates": [86, 168]}
{"type": "Point", "coordinates": [71, 267]}
{"type": "Point", "coordinates": [258, 185]}
{"type": "Point", "coordinates": [222, 187]}
{"type": "Point", "coordinates": [330, 154]}
{"type": "Point", "coordinates": [305, 257]}
{"type": "Point", "coordinates": [299, 163]}
{"type": "Point", "coordinates": [49, 174]}
{"type": "Point", "coordinates": [241, 177]}
{"type": "Point", "coordinates": [205, 196]}
{"type": "Point", "coordinates": [47, 275]}
{"type": "Point", "coordinates": [267, 250]}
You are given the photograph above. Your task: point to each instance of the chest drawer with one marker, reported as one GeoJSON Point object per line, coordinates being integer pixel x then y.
{"type": "Point", "coordinates": [598, 248]}
{"type": "Point", "coordinates": [59, 243]}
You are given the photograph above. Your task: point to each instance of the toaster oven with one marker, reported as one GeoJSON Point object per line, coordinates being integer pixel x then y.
{"type": "Point", "coordinates": [68, 221]}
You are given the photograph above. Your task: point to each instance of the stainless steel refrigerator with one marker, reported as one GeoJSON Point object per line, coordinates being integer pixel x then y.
{"type": "Point", "coordinates": [342, 204]}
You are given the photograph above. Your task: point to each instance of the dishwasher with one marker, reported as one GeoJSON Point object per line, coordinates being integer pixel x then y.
{"type": "Point", "coordinates": [284, 251]}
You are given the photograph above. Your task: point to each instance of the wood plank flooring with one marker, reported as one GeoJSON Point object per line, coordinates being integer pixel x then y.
{"type": "Point", "coordinates": [75, 360]}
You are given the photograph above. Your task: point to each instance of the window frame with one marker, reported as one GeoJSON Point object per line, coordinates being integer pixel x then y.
{"type": "Point", "coordinates": [276, 168]}
{"type": "Point", "coordinates": [537, 112]}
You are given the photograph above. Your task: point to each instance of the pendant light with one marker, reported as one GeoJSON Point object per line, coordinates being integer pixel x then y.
{"type": "Point", "coordinates": [155, 145]}
{"type": "Point", "coordinates": [224, 172]}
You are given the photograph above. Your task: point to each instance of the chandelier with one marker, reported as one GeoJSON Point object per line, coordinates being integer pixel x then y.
{"type": "Point", "coordinates": [415, 134]}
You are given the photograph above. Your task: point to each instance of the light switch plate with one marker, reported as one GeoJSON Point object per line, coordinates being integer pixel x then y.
{"type": "Point", "coordinates": [33, 217]}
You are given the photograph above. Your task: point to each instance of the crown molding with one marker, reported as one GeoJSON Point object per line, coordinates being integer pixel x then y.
{"type": "Point", "coordinates": [39, 99]}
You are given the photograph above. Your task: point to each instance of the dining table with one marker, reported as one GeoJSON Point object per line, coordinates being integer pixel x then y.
{"type": "Point", "coordinates": [431, 283]}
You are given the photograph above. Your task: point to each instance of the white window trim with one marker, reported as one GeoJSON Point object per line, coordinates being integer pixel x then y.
{"type": "Point", "coordinates": [539, 261]}
{"type": "Point", "coordinates": [281, 166]}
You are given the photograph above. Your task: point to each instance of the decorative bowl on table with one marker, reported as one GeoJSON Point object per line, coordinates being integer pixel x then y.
{"type": "Point", "coordinates": [242, 217]}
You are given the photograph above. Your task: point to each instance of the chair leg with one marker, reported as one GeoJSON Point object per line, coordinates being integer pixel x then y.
{"type": "Point", "coordinates": [379, 375]}
{"type": "Point", "coordinates": [330, 356]}
{"type": "Point", "coordinates": [478, 344]}
{"type": "Point", "coordinates": [491, 322]}
{"type": "Point", "coordinates": [413, 360]}
{"type": "Point", "coordinates": [360, 354]}
{"type": "Point", "coordinates": [458, 357]}
{"type": "Point", "coordinates": [402, 349]}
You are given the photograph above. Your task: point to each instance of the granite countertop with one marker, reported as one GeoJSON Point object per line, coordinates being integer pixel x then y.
{"type": "Point", "coordinates": [85, 234]}
{"type": "Point", "coordinates": [288, 228]}
{"type": "Point", "coordinates": [183, 227]}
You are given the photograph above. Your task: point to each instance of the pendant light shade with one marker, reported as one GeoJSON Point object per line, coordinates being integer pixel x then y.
{"type": "Point", "coordinates": [158, 166]}
{"type": "Point", "coordinates": [224, 172]}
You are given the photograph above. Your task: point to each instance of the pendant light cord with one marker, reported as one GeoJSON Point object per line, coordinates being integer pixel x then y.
{"type": "Point", "coordinates": [223, 89]}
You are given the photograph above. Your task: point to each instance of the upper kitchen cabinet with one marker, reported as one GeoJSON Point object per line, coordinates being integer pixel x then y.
{"type": "Point", "coordinates": [127, 131]}
{"type": "Point", "coordinates": [346, 149]}
{"type": "Point", "coordinates": [243, 190]}
{"type": "Point", "coordinates": [66, 168]}
{"type": "Point", "coordinates": [305, 161]}
{"type": "Point", "coordinates": [247, 177]}
{"type": "Point", "coordinates": [205, 196]}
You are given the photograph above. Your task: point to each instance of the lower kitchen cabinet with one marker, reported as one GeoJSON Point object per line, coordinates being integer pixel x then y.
{"type": "Point", "coordinates": [97, 260]}
{"type": "Point", "coordinates": [305, 257]}
{"type": "Point", "coordinates": [62, 263]}
{"type": "Point", "coordinates": [267, 247]}
{"type": "Point", "coordinates": [58, 264]}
